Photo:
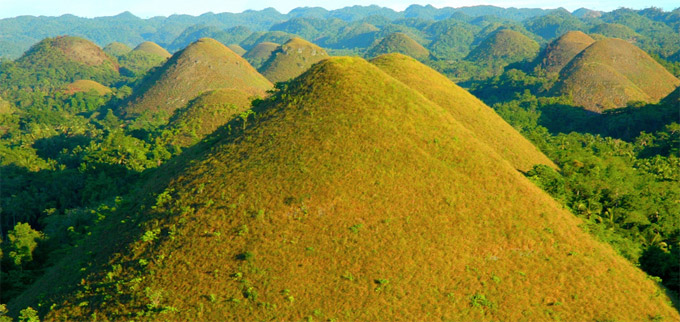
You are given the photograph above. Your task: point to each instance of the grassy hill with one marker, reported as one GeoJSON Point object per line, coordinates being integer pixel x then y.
{"type": "Point", "coordinates": [237, 49]}
{"type": "Point", "coordinates": [203, 66]}
{"type": "Point", "coordinates": [398, 42]}
{"type": "Point", "coordinates": [204, 114]}
{"type": "Point", "coordinates": [503, 47]}
{"type": "Point", "coordinates": [472, 113]}
{"type": "Point", "coordinates": [117, 49]}
{"type": "Point", "coordinates": [260, 53]}
{"type": "Point", "coordinates": [85, 85]}
{"type": "Point", "coordinates": [54, 62]}
{"type": "Point", "coordinates": [610, 73]}
{"type": "Point", "coordinates": [291, 59]}
{"type": "Point", "coordinates": [152, 48]}
{"type": "Point", "coordinates": [348, 196]}
{"type": "Point", "coordinates": [562, 50]}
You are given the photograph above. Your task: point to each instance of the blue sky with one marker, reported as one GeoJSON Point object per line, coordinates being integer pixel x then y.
{"type": "Point", "coordinates": [149, 8]}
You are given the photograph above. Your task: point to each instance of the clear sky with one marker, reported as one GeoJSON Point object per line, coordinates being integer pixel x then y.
{"type": "Point", "coordinates": [150, 8]}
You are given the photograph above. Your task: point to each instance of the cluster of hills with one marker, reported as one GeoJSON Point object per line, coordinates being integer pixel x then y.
{"type": "Point", "coordinates": [249, 172]}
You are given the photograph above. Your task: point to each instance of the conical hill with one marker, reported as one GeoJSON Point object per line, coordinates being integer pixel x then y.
{"type": "Point", "coordinates": [504, 47]}
{"type": "Point", "coordinates": [203, 66]}
{"type": "Point", "coordinates": [85, 85]}
{"type": "Point", "coordinates": [348, 196]}
{"type": "Point", "coordinates": [612, 72]}
{"type": "Point", "coordinates": [562, 50]}
{"type": "Point", "coordinates": [205, 114]}
{"type": "Point", "coordinates": [54, 62]}
{"type": "Point", "coordinates": [260, 53]}
{"type": "Point", "coordinates": [399, 42]}
{"type": "Point", "coordinates": [117, 49]}
{"type": "Point", "coordinates": [152, 48]}
{"type": "Point", "coordinates": [467, 109]}
{"type": "Point", "coordinates": [291, 59]}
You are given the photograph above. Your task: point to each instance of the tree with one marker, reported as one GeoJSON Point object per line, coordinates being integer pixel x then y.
{"type": "Point", "coordinates": [23, 241]}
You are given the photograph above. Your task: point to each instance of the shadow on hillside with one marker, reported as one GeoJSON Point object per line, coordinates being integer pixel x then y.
{"type": "Point", "coordinates": [624, 123]}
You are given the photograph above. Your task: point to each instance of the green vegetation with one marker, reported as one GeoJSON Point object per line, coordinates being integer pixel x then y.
{"type": "Point", "coordinates": [503, 48]}
{"type": "Point", "coordinates": [259, 54]}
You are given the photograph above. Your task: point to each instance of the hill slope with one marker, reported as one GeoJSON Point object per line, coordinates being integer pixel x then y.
{"type": "Point", "coordinates": [237, 49]}
{"type": "Point", "coordinates": [152, 48]}
{"type": "Point", "coordinates": [205, 114]}
{"type": "Point", "coordinates": [54, 62]}
{"type": "Point", "coordinates": [84, 85]}
{"type": "Point", "coordinates": [117, 49]}
{"type": "Point", "coordinates": [350, 196]}
{"type": "Point", "coordinates": [466, 109]}
{"type": "Point", "coordinates": [562, 50]}
{"type": "Point", "coordinates": [504, 47]}
{"type": "Point", "coordinates": [202, 66]}
{"type": "Point", "coordinates": [260, 53]}
{"type": "Point", "coordinates": [610, 73]}
{"type": "Point", "coordinates": [291, 59]}
{"type": "Point", "coordinates": [398, 42]}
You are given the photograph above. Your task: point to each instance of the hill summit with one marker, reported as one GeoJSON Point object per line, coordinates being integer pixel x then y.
{"type": "Point", "coordinates": [398, 42]}
{"type": "Point", "coordinates": [152, 48]}
{"type": "Point", "coordinates": [610, 73]}
{"type": "Point", "coordinates": [348, 196]}
{"type": "Point", "coordinates": [467, 109]}
{"type": "Point", "coordinates": [562, 50]}
{"type": "Point", "coordinates": [504, 47]}
{"type": "Point", "coordinates": [54, 62]}
{"type": "Point", "coordinates": [292, 59]}
{"type": "Point", "coordinates": [202, 66]}
{"type": "Point", "coordinates": [117, 49]}
{"type": "Point", "coordinates": [85, 85]}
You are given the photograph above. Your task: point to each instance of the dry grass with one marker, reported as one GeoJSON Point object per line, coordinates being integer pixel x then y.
{"type": "Point", "coordinates": [291, 59]}
{"type": "Point", "coordinates": [504, 45]}
{"type": "Point", "coordinates": [353, 197]}
{"type": "Point", "coordinates": [237, 49]}
{"type": "Point", "coordinates": [153, 48]}
{"type": "Point", "coordinates": [562, 50]}
{"type": "Point", "coordinates": [84, 85]}
{"type": "Point", "coordinates": [610, 73]}
{"type": "Point", "coordinates": [203, 66]}
{"type": "Point", "coordinates": [466, 109]}
{"type": "Point", "coordinates": [260, 53]}
{"type": "Point", "coordinates": [399, 42]}
{"type": "Point", "coordinates": [82, 51]}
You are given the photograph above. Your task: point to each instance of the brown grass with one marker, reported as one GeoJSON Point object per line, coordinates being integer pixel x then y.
{"type": "Point", "coordinates": [83, 51]}
{"type": "Point", "coordinates": [203, 66]}
{"type": "Point", "coordinates": [153, 48]}
{"type": "Point", "coordinates": [399, 42]}
{"type": "Point", "coordinates": [85, 85]}
{"type": "Point", "coordinates": [291, 59]}
{"type": "Point", "coordinates": [237, 49]}
{"type": "Point", "coordinates": [610, 73]}
{"type": "Point", "coordinates": [260, 53]}
{"type": "Point", "coordinates": [562, 50]}
{"type": "Point", "coordinates": [504, 45]}
{"type": "Point", "coordinates": [353, 197]}
{"type": "Point", "coordinates": [466, 109]}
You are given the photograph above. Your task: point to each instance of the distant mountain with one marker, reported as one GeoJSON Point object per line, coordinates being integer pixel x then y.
{"type": "Point", "coordinates": [203, 66]}
{"type": "Point", "coordinates": [610, 73]}
{"type": "Point", "coordinates": [291, 59]}
{"type": "Point", "coordinates": [398, 42]}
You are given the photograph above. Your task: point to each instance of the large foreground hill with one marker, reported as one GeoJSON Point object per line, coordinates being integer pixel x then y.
{"type": "Point", "coordinates": [348, 196]}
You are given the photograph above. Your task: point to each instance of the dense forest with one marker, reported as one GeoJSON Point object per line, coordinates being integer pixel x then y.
{"type": "Point", "coordinates": [71, 157]}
